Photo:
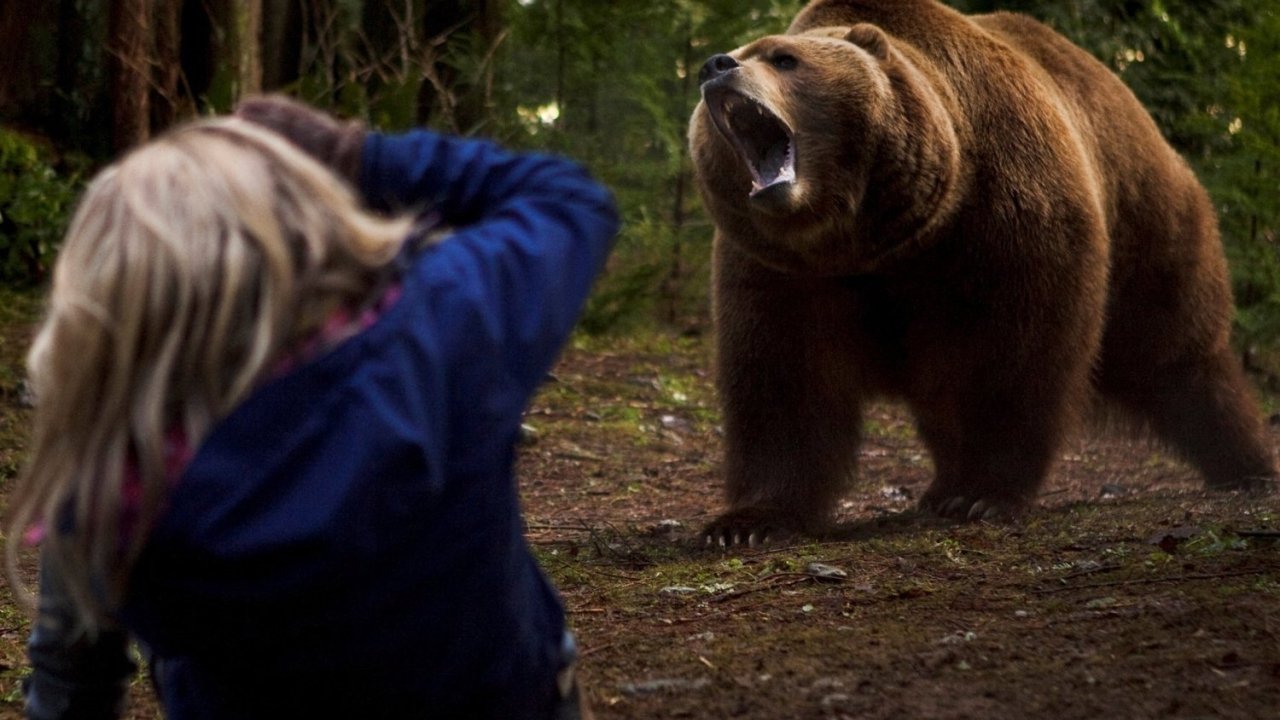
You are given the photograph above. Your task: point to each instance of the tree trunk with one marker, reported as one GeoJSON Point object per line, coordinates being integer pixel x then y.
{"type": "Point", "coordinates": [325, 50]}
{"type": "Point", "coordinates": [68, 115]}
{"type": "Point", "coordinates": [14, 58]}
{"type": "Point", "coordinates": [561, 59]}
{"type": "Point", "coordinates": [490, 27]}
{"type": "Point", "coordinates": [128, 51]}
{"type": "Point", "coordinates": [246, 34]}
{"type": "Point", "coordinates": [442, 20]}
{"type": "Point", "coordinates": [236, 51]}
{"type": "Point", "coordinates": [197, 50]}
{"type": "Point", "coordinates": [281, 43]}
{"type": "Point", "coordinates": [393, 62]}
{"type": "Point", "coordinates": [462, 100]}
{"type": "Point", "coordinates": [167, 102]}
{"type": "Point", "coordinates": [27, 55]}
{"type": "Point", "coordinates": [672, 284]}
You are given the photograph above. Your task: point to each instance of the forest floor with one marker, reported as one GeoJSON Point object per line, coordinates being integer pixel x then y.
{"type": "Point", "coordinates": [1126, 593]}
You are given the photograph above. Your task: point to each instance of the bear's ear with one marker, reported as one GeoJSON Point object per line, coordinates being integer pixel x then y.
{"type": "Point", "coordinates": [869, 38]}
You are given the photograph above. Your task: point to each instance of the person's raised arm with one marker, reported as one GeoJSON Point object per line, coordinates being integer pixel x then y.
{"type": "Point", "coordinates": [529, 232]}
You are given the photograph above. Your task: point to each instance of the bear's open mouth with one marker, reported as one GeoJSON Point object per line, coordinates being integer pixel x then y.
{"type": "Point", "coordinates": [764, 141]}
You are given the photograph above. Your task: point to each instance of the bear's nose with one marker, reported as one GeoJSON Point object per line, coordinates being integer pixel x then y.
{"type": "Point", "coordinates": [715, 67]}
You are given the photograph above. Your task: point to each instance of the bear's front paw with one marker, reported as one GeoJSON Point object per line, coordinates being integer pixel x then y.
{"type": "Point", "coordinates": [751, 526]}
{"type": "Point", "coordinates": [959, 507]}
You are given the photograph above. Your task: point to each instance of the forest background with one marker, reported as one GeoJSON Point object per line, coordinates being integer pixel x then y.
{"type": "Point", "coordinates": [1125, 595]}
{"type": "Point", "coordinates": [609, 83]}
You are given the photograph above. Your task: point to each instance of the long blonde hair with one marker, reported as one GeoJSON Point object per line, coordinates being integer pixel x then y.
{"type": "Point", "coordinates": [190, 266]}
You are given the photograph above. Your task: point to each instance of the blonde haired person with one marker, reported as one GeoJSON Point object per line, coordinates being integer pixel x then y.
{"type": "Point", "coordinates": [274, 431]}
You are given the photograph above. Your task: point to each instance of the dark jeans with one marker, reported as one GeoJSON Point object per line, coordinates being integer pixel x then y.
{"type": "Point", "coordinates": [73, 676]}
{"type": "Point", "coordinates": [76, 677]}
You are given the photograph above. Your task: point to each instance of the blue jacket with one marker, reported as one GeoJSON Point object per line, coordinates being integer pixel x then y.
{"type": "Point", "coordinates": [348, 542]}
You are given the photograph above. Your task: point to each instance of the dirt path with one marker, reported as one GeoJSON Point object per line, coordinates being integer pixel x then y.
{"type": "Point", "coordinates": [1128, 593]}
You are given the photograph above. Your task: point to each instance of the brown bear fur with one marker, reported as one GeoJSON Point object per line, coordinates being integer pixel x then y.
{"type": "Point", "coordinates": [984, 223]}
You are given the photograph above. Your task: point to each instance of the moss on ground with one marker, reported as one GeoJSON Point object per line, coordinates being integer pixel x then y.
{"type": "Point", "coordinates": [1127, 593]}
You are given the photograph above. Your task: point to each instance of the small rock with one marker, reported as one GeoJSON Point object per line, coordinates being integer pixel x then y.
{"type": "Point", "coordinates": [823, 571]}
{"type": "Point", "coordinates": [896, 494]}
{"type": "Point", "coordinates": [1169, 540]}
{"type": "Point", "coordinates": [665, 529]}
{"type": "Point", "coordinates": [835, 700]}
{"type": "Point", "coordinates": [959, 636]}
{"type": "Point", "coordinates": [663, 685]}
{"type": "Point", "coordinates": [647, 382]}
{"type": "Point", "coordinates": [672, 422]}
{"type": "Point", "coordinates": [827, 683]}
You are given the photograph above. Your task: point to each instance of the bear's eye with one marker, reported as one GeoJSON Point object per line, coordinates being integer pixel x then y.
{"type": "Point", "coordinates": [784, 62]}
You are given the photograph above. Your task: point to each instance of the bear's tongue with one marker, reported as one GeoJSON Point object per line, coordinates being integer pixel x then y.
{"type": "Point", "coordinates": [775, 166]}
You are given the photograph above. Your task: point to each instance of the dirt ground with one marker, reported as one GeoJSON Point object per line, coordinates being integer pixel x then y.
{"type": "Point", "coordinates": [1127, 593]}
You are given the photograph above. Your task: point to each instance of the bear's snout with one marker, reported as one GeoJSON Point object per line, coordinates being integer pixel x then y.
{"type": "Point", "coordinates": [716, 66]}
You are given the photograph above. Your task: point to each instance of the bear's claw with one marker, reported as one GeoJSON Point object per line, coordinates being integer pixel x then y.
{"type": "Point", "coordinates": [750, 527]}
{"type": "Point", "coordinates": [961, 507]}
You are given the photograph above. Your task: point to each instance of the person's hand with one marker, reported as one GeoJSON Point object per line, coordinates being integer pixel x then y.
{"type": "Point", "coordinates": [335, 143]}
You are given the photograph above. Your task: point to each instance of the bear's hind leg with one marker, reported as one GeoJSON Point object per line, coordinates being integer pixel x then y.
{"type": "Point", "coordinates": [1203, 409]}
{"type": "Point", "coordinates": [989, 463]}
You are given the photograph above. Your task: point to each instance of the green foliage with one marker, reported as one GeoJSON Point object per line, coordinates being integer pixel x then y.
{"type": "Point", "coordinates": [1245, 179]}
{"type": "Point", "coordinates": [652, 275]}
{"type": "Point", "coordinates": [614, 84]}
{"type": "Point", "coordinates": [34, 203]}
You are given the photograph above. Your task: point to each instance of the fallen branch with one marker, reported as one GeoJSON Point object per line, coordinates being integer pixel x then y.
{"type": "Point", "coordinates": [581, 527]}
{"type": "Point", "coordinates": [594, 649]}
{"type": "Point", "coordinates": [1148, 581]}
{"type": "Point", "coordinates": [1090, 571]}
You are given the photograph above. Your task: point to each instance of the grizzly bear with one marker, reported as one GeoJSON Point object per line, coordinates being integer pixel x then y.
{"type": "Point", "coordinates": [968, 214]}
